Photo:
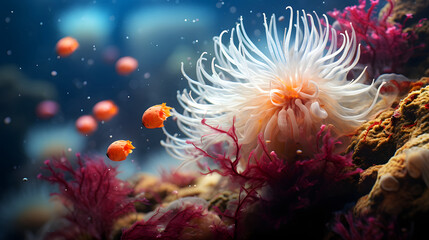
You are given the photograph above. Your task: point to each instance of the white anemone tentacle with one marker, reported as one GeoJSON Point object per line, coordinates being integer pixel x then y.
{"type": "Point", "coordinates": [284, 91]}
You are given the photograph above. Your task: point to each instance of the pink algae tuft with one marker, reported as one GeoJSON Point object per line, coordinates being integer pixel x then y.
{"type": "Point", "coordinates": [163, 225]}
{"type": "Point", "coordinates": [181, 179]}
{"type": "Point", "coordinates": [91, 192]}
{"type": "Point", "coordinates": [182, 219]}
{"type": "Point", "coordinates": [349, 227]}
{"type": "Point", "coordinates": [385, 46]}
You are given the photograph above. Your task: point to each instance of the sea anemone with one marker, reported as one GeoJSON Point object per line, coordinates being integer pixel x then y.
{"type": "Point", "coordinates": [286, 94]}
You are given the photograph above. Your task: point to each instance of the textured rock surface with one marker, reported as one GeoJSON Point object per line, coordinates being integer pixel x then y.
{"type": "Point", "coordinates": [160, 192]}
{"type": "Point", "coordinates": [376, 141]}
{"type": "Point", "coordinates": [411, 197]}
{"type": "Point", "coordinates": [380, 147]}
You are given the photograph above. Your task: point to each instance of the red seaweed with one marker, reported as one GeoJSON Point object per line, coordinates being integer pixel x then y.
{"type": "Point", "coordinates": [385, 46]}
{"type": "Point", "coordinates": [166, 225]}
{"type": "Point", "coordinates": [181, 220]}
{"type": "Point", "coordinates": [367, 227]}
{"type": "Point", "coordinates": [91, 192]}
{"type": "Point", "coordinates": [180, 179]}
{"type": "Point", "coordinates": [280, 187]}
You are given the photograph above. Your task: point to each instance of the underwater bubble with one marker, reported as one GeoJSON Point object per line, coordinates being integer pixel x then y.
{"type": "Point", "coordinates": [7, 120]}
{"type": "Point", "coordinates": [54, 73]}
{"type": "Point", "coordinates": [47, 109]}
{"type": "Point", "coordinates": [9, 52]}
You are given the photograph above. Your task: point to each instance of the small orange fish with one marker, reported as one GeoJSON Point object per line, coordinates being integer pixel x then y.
{"type": "Point", "coordinates": [119, 150]}
{"type": "Point", "coordinates": [126, 65]}
{"type": "Point", "coordinates": [66, 46]}
{"type": "Point", "coordinates": [86, 124]}
{"type": "Point", "coordinates": [105, 110]}
{"type": "Point", "coordinates": [155, 116]}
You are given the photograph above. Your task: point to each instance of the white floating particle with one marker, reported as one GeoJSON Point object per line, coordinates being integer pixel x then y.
{"type": "Point", "coordinates": [7, 120]}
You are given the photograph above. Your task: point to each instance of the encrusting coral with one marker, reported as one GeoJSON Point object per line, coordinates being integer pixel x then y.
{"type": "Point", "coordinates": [395, 195]}
{"type": "Point", "coordinates": [417, 163]}
{"type": "Point", "coordinates": [377, 140]}
{"type": "Point", "coordinates": [398, 141]}
{"type": "Point", "coordinates": [410, 194]}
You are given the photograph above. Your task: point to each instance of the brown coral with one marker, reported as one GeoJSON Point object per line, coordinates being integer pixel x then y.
{"type": "Point", "coordinates": [411, 195]}
{"type": "Point", "coordinates": [381, 146]}
{"type": "Point", "coordinates": [377, 140]}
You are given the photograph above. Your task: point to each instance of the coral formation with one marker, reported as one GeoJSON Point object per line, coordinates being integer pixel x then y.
{"type": "Point", "coordinates": [417, 163]}
{"type": "Point", "coordinates": [377, 140]}
{"type": "Point", "coordinates": [410, 192]}
{"type": "Point", "coordinates": [400, 139]}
